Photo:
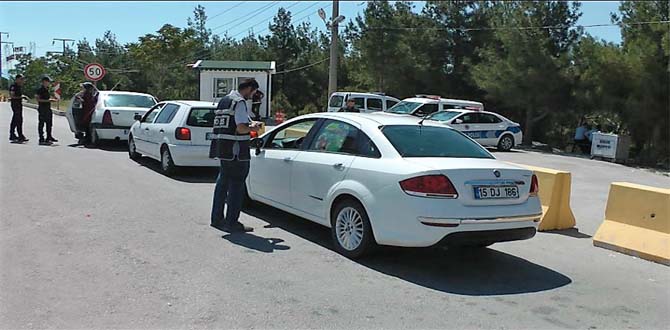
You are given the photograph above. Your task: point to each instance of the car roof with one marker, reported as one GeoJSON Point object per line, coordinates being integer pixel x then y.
{"type": "Point", "coordinates": [425, 100]}
{"type": "Point", "coordinates": [123, 92]}
{"type": "Point", "coordinates": [193, 103]}
{"type": "Point", "coordinates": [364, 94]}
{"type": "Point", "coordinates": [373, 120]}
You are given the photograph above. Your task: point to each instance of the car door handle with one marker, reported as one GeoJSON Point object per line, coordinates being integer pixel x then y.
{"type": "Point", "coordinates": [338, 166]}
{"type": "Point", "coordinates": [287, 159]}
{"type": "Point", "coordinates": [115, 112]}
{"type": "Point", "coordinates": [162, 131]}
{"type": "Point", "coordinates": [146, 129]}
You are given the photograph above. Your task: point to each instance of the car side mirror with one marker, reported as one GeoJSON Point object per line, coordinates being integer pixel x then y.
{"type": "Point", "coordinates": [458, 121]}
{"type": "Point", "coordinates": [257, 144]}
{"type": "Point", "coordinates": [138, 117]}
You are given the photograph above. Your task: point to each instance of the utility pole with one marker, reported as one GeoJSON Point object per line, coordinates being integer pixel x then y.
{"type": "Point", "coordinates": [332, 73]}
{"type": "Point", "coordinates": [64, 40]}
{"type": "Point", "coordinates": [1, 33]}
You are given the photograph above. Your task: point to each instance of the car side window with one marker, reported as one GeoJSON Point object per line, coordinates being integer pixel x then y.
{"type": "Point", "coordinates": [292, 136]}
{"type": "Point", "coordinates": [374, 104]}
{"type": "Point", "coordinates": [469, 118]}
{"type": "Point", "coordinates": [486, 118]}
{"type": "Point", "coordinates": [167, 114]}
{"type": "Point", "coordinates": [336, 136]}
{"type": "Point", "coordinates": [366, 147]}
{"type": "Point", "coordinates": [426, 109]}
{"type": "Point", "coordinates": [390, 103]}
{"type": "Point", "coordinates": [359, 102]}
{"type": "Point", "coordinates": [152, 113]}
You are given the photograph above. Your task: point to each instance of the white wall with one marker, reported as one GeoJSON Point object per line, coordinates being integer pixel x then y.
{"type": "Point", "coordinates": [207, 85]}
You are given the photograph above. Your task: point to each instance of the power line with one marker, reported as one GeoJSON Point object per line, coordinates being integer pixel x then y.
{"type": "Point", "coordinates": [225, 11]}
{"type": "Point", "coordinates": [545, 27]}
{"type": "Point", "coordinates": [303, 67]}
{"type": "Point", "coordinates": [247, 15]}
{"type": "Point", "coordinates": [265, 20]}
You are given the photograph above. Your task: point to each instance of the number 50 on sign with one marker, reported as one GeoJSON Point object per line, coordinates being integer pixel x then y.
{"type": "Point", "coordinates": [94, 71]}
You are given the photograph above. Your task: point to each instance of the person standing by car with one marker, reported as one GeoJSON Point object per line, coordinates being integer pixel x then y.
{"type": "Point", "coordinates": [45, 116]}
{"type": "Point", "coordinates": [88, 98]}
{"type": "Point", "coordinates": [230, 144]}
{"type": "Point", "coordinates": [350, 106]}
{"type": "Point", "coordinates": [16, 96]}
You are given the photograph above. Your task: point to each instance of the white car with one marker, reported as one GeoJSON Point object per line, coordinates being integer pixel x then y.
{"type": "Point", "coordinates": [113, 114]}
{"type": "Point", "coordinates": [488, 128]}
{"type": "Point", "coordinates": [423, 105]}
{"type": "Point", "coordinates": [365, 102]}
{"type": "Point", "coordinates": [176, 133]}
{"type": "Point", "coordinates": [382, 179]}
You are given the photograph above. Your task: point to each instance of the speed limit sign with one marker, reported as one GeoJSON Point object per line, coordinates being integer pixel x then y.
{"type": "Point", "coordinates": [94, 71]}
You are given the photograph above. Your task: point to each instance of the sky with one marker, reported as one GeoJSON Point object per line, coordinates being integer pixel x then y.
{"type": "Point", "coordinates": [40, 22]}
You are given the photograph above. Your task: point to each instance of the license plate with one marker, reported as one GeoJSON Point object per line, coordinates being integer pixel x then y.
{"type": "Point", "coordinates": [208, 136]}
{"type": "Point", "coordinates": [496, 192]}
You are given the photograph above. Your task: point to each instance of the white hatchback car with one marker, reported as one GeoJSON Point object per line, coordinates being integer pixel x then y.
{"type": "Point", "coordinates": [382, 179]}
{"type": "Point", "coordinates": [174, 133]}
{"type": "Point", "coordinates": [113, 114]}
{"type": "Point", "coordinates": [488, 128]}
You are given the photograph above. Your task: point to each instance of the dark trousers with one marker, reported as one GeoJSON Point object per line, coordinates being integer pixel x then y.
{"type": "Point", "coordinates": [229, 191]}
{"type": "Point", "coordinates": [17, 121]}
{"type": "Point", "coordinates": [45, 118]}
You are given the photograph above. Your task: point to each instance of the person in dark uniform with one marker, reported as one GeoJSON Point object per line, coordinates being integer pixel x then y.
{"type": "Point", "coordinates": [45, 116]}
{"type": "Point", "coordinates": [230, 144]}
{"type": "Point", "coordinates": [350, 106]}
{"type": "Point", "coordinates": [16, 96]}
{"type": "Point", "coordinates": [87, 99]}
{"type": "Point", "coordinates": [256, 104]}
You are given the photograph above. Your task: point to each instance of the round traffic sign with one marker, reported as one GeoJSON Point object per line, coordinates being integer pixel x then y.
{"type": "Point", "coordinates": [94, 71]}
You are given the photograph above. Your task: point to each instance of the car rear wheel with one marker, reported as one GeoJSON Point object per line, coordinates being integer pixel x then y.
{"type": "Point", "coordinates": [167, 164]}
{"type": "Point", "coordinates": [351, 230]}
{"type": "Point", "coordinates": [95, 140]}
{"type": "Point", "coordinates": [132, 149]}
{"type": "Point", "coordinates": [506, 143]}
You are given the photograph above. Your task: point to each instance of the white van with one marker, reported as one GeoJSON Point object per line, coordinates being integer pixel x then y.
{"type": "Point", "coordinates": [365, 102]}
{"type": "Point", "coordinates": [423, 105]}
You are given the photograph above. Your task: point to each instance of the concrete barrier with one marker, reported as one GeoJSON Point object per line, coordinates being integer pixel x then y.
{"type": "Point", "coordinates": [555, 187]}
{"type": "Point", "coordinates": [637, 222]}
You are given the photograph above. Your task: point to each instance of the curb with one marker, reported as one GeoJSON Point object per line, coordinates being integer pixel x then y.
{"type": "Point", "coordinates": [55, 112]}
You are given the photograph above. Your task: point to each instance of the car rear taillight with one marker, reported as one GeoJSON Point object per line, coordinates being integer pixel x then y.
{"type": "Point", "coordinates": [534, 186]}
{"type": "Point", "coordinates": [182, 133]}
{"type": "Point", "coordinates": [107, 118]}
{"type": "Point", "coordinates": [429, 186]}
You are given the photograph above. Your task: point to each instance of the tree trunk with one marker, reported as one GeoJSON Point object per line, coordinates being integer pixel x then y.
{"type": "Point", "coordinates": [528, 129]}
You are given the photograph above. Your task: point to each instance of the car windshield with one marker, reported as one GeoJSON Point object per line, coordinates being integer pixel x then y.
{"type": "Point", "coordinates": [404, 107]}
{"type": "Point", "coordinates": [444, 115]}
{"type": "Point", "coordinates": [432, 141]}
{"type": "Point", "coordinates": [129, 100]}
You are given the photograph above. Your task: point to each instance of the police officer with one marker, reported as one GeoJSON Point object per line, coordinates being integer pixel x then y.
{"type": "Point", "coordinates": [16, 96]}
{"type": "Point", "coordinates": [230, 144]}
{"type": "Point", "coordinates": [45, 116]}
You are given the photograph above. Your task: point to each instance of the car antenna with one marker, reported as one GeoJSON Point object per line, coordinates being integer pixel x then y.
{"type": "Point", "coordinates": [422, 119]}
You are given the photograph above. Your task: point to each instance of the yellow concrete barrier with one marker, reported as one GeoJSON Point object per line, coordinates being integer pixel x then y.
{"type": "Point", "coordinates": [555, 197]}
{"type": "Point", "coordinates": [637, 222]}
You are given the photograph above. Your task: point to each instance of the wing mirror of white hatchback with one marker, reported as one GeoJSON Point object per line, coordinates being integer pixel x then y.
{"type": "Point", "coordinates": [458, 121]}
{"type": "Point", "coordinates": [137, 117]}
{"type": "Point", "coordinates": [257, 144]}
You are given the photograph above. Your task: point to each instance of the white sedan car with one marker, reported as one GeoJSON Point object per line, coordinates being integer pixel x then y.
{"type": "Point", "coordinates": [113, 114]}
{"type": "Point", "coordinates": [174, 133]}
{"type": "Point", "coordinates": [488, 128]}
{"type": "Point", "coordinates": [380, 179]}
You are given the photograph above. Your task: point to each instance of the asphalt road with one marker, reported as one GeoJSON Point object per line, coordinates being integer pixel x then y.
{"type": "Point", "coordinates": [90, 239]}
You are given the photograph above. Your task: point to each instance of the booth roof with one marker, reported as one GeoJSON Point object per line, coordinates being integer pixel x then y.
{"type": "Point", "coordinates": [235, 65]}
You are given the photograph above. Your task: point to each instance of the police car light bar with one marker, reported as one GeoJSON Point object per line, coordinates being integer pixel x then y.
{"type": "Point", "coordinates": [424, 96]}
{"type": "Point", "coordinates": [473, 108]}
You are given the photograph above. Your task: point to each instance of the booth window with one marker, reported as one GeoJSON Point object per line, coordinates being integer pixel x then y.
{"type": "Point", "coordinates": [222, 87]}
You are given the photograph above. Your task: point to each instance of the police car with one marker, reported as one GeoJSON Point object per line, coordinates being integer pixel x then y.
{"type": "Point", "coordinates": [488, 128]}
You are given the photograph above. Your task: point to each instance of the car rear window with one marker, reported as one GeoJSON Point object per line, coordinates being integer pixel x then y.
{"type": "Point", "coordinates": [201, 117]}
{"type": "Point", "coordinates": [432, 141]}
{"type": "Point", "coordinates": [129, 100]}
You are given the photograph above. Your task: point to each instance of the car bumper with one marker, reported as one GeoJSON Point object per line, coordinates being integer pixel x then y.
{"type": "Point", "coordinates": [190, 155]}
{"type": "Point", "coordinates": [422, 222]}
{"type": "Point", "coordinates": [112, 133]}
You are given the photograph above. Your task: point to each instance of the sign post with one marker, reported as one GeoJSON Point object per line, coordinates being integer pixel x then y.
{"type": "Point", "coordinates": [94, 72]}
{"type": "Point", "coordinates": [57, 94]}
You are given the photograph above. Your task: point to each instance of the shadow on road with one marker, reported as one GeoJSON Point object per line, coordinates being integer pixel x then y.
{"type": "Point", "coordinates": [572, 232]}
{"type": "Point", "coordinates": [251, 241]}
{"type": "Point", "coordinates": [474, 272]}
{"type": "Point", "coordinates": [184, 174]}
{"type": "Point", "coordinates": [112, 146]}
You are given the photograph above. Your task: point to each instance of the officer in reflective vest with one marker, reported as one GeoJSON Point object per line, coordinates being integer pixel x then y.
{"type": "Point", "coordinates": [230, 144]}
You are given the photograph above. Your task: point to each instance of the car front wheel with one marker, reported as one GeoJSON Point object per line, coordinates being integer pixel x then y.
{"type": "Point", "coordinates": [506, 143]}
{"type": "Point", "coordinates": [351, 230]}
{"type": "Point", "coordinates": [132, 149]}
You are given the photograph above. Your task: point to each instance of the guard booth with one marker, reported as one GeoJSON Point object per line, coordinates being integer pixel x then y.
{"type": "Point", "coordinates": [218, 78]}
